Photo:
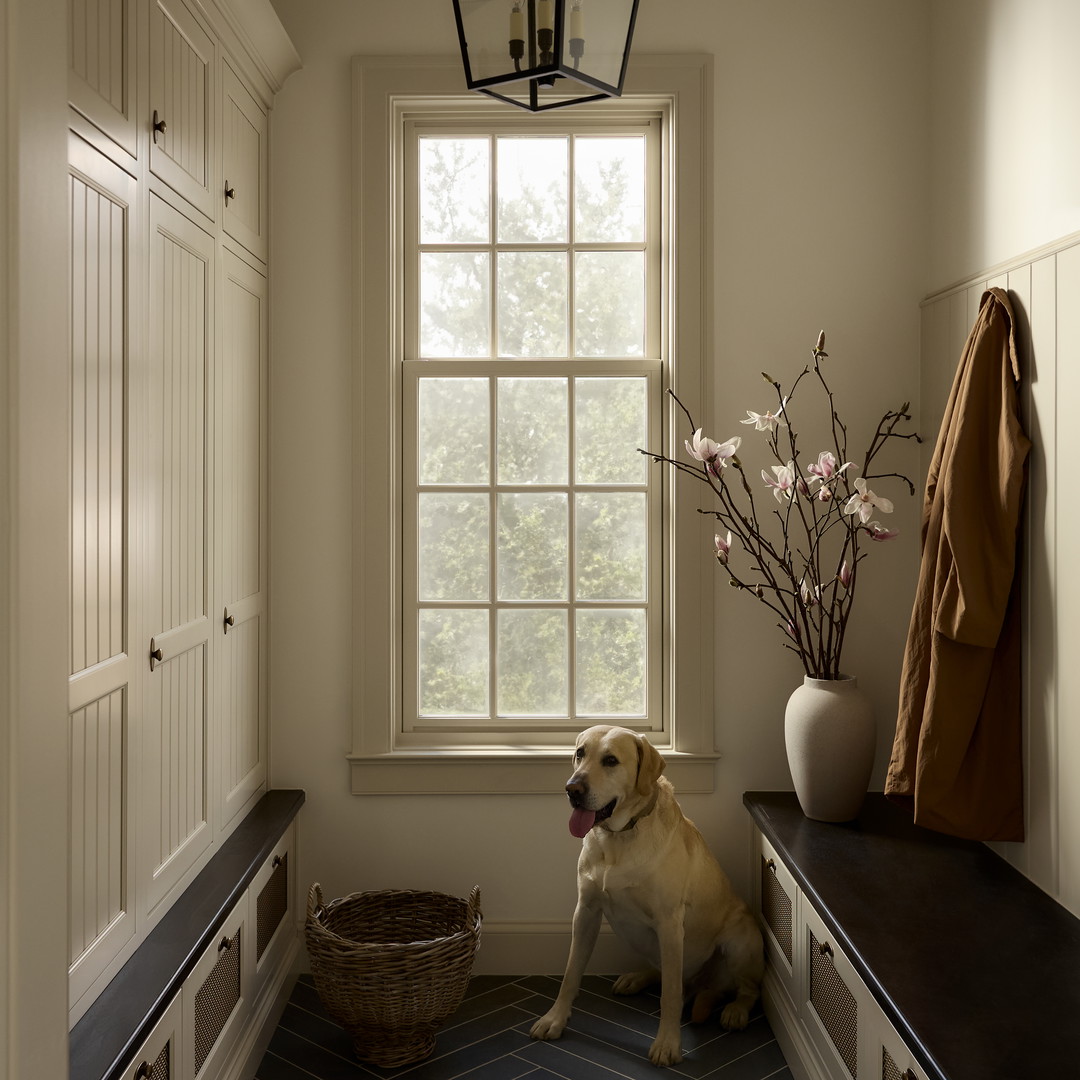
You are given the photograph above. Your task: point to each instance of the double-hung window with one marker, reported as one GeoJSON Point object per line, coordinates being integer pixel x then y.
{"type": "Point", "coordinates": [521, 346]}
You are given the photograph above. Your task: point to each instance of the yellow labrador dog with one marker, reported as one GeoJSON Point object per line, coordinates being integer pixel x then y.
{"type": "Point", "coordinates": [646, 868]}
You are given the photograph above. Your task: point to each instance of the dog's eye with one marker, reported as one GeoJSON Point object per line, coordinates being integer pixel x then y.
{"type": "Point", "coordinates": [610, 761]}
{"type": "Point", "coordinates": [580, 753]}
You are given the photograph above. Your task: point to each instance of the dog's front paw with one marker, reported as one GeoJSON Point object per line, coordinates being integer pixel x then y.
{"type": "Point", "coordinates": [549, 1026]}
{"type": "Point", "coordinates": [665, 1051]}
{"type": "Point", "coordinates": [735, 1016]}
{"type": "Point", "coordinates": [633, 982]}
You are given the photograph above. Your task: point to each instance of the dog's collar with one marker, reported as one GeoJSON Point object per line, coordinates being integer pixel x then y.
{"type": "Point", "coordinates": [644, 813]}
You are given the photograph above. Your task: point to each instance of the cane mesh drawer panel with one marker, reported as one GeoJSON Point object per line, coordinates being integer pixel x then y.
{"type": "Point", "coordinates": [216, 999]}
{"type": "Point", "coordinates": [776, 907]}
{"type": "Point", "coordinates": [889, 1069]}
{"type": "Point", "coordinates": [160, 1070]}
{"type": "Point", "coordinates": [272, 904]}
{"type": "Point", "coordinates": [834, 1004]}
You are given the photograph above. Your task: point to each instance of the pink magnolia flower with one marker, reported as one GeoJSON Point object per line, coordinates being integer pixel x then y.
{"type": "Point", "coordinates": [810, 595]}
{"type": "Point", "coordinates": [709, 452]}
{"type": "Point", "coordinates": [766, 421]}
{"type": "Point", "coordinates": [878, 531]}
{"type": "Point", "coordinates": [784, 484]}
{"type": "Point", "coordinates": [826, 467]}
{"type": "Point", "coordinates": [824, 494]}
{"type": "Point", "coordinates": [723, 548]}
{"type": "Point", "coordinates": [864, 501]}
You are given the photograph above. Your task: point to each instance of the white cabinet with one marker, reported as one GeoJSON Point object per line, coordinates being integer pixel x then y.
{"type": "Point", "coordinates": [215, 994]}
{"type": "Point", "coordinates": [826, 1020]}
{"type": "Point", "coordinates": [101, 71]}
{"type": "Point", "coordinates": [169, 295]}
{"type": "Point", "coordinates": [240, 600]}
{"type": "Point", "coordinates": [161, 1057]}
{"type": "Point", "coordinates": [177, 514]}
{"type": "Point", "coordinates": [182, 118]}
{"type": "Point", "coordinates": [243, 156]}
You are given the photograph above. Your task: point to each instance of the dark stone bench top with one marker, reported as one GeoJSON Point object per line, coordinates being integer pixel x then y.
{"type": "Point", "coordinates": [124, 1014]}
{"type": "Point", "coordinates": [977, 969]}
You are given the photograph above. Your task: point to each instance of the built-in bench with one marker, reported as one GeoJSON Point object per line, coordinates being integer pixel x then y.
{"type": "Point", "coordinates": [121, 1022]}
{"type": "Point", "coordinates": [974, 970]}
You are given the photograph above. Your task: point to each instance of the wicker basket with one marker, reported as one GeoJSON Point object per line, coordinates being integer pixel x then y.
{"type": "Point", "coordinates": [391, 966]}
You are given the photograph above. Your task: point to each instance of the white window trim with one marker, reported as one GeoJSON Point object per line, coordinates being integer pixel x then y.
{"type": "Point", "coordinates": [382, 87]}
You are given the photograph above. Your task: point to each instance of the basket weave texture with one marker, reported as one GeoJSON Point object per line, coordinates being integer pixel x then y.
{"type": "Point", "coordinates": [391, 966]}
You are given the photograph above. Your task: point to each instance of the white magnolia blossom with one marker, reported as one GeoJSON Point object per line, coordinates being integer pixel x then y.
{"type": "Point", "coordinates": [864, 501]}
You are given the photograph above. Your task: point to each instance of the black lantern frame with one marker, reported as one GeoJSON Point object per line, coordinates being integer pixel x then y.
{"type": "Point", "coordinates": [541, 57]}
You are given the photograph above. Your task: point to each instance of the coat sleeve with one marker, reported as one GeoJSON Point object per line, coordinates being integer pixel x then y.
{"type": "Point", "coordinates": [982, 484]}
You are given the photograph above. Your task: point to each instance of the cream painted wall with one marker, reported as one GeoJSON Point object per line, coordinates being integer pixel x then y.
{"type": "Point", "coordinates": [821, 202]}
{"type": "Point", "coordinates": [1006, 159]}
{"type": "Point", "coordinates": [1006, 181]}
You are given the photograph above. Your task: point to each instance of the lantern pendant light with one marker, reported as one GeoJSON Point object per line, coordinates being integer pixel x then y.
{"type": "Point", "coordinates": [545, 54]}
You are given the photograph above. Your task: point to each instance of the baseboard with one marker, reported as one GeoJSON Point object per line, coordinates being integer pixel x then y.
{"type": "Point", "coordinates": [786, 1026]}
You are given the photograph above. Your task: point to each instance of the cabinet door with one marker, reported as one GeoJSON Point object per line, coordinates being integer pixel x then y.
{"type": "Point", "coordinates": [834, 1002]}
{"type": "Point", "coordinates": [892, 1059]}
{"type": "Point", "coordinates": [161, 1057]}
{"type": "Point", "coordinates": [101, 66]}
{"type": "Point", "coordinates": [240, 728]}
{"type": "Point", "coordinates": [775, 893]}
{"type": "Point", "coordinates": [215, 994]}
{"type": "Point", "coordinates": [101, 702]}
{"type": "Point", "coordinates": [178, 518]}
{"type": "Point", "coordinates": [182, 96]}
{"type": "Point", "coordinates": [244, 165]}
{"type": "Point", "coordinates": [272, 898]}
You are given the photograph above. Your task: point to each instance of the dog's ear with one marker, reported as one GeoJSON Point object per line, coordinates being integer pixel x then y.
{"type": "Point", "coordinates": [650, 766]}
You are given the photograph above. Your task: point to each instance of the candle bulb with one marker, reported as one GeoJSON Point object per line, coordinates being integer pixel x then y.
{"type": "Point", "coordinates": [517, 33]}
{"type": "Point", "coordinates": [545, 15]}
{"type": "Point", "coordinates": [577, 21]}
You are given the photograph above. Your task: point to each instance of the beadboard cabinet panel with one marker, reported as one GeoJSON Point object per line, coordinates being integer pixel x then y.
{"type": "Point", "coordinates": [183, 70]}
{"type": "Point", "coordinates": [102, 898]}
{"type": "Point", "coordinates": [241, 516]}
{"type": "Point", "coordinates": [244, 163]}
{"type": "Point", "coordinates": [180, 522]}
{"type": "Point", "coordinates": [101, 77]}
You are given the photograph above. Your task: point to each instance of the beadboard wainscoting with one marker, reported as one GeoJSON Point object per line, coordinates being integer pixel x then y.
{"type": "Point", "coordinates": [1042, 286]}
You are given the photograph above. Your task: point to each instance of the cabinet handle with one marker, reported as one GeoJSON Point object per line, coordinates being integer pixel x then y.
{"type": "Point", "coordinates": [771, 865]}
{"type": "Point", "coordinates": [160, 127]}
{"type": "Point", "coordinates": [230, 192]}
{"type": "Point", "coordinates": [228, 620]}
{"type": "Point", "coordinates": [156, 655]}
{"type": "Point", "coordinates": [825, 949]}
{"type": "Point", "coordinates": [143, 1072]}
{"type": "Point", "coordinates": [225, 943]}
{"type": "Point", "coordinates": [276, 862]}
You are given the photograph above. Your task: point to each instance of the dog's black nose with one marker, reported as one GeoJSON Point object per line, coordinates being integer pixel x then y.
{"type": "Point", "coordinates": [575, 791]}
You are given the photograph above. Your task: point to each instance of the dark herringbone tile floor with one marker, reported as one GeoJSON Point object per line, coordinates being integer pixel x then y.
{"type": "Point", "coordinates": [488, 1039]}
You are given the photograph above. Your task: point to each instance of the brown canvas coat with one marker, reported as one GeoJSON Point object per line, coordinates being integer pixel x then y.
{"type": "Point", "coordinates": [956, 758]}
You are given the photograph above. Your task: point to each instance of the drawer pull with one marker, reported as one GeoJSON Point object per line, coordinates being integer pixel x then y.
{"type": "Point", "coordinates": [276, 862]}
{"type": "Point", "coordinates": [156, 655]}
{"type": "Point", "coordinates": [230, 192]}
{"type": "Point", "coordinates": [160, 127]}
{"type": "Point", "coordinates": [143, 1071]}
{"type": "Point", "coordinates": [771, 865]}
{"type": "Point", "coordinates": [225, 943]}
{"type": "Point", "coordinates": [825, 949]}
{"type": "Point", "coordinates": [227, 621]}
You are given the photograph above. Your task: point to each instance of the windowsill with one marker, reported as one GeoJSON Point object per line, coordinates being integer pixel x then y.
{"type": "Point", "coordinates": [499, 772]}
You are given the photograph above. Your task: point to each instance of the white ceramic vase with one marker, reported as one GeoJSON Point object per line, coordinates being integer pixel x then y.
{"type": "Point", "coordinates": [830, 737]}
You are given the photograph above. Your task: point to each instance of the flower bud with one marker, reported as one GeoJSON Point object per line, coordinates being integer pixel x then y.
{"type": "Point", "coordinates": [820, 347]}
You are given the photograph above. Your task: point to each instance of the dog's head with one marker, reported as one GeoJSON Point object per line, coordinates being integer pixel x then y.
{"type": "Point", "coordinates": [615, 773]}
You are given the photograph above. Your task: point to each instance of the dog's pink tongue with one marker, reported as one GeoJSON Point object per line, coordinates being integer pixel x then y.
{"type": "Point", "coordinates": [581, 821]}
